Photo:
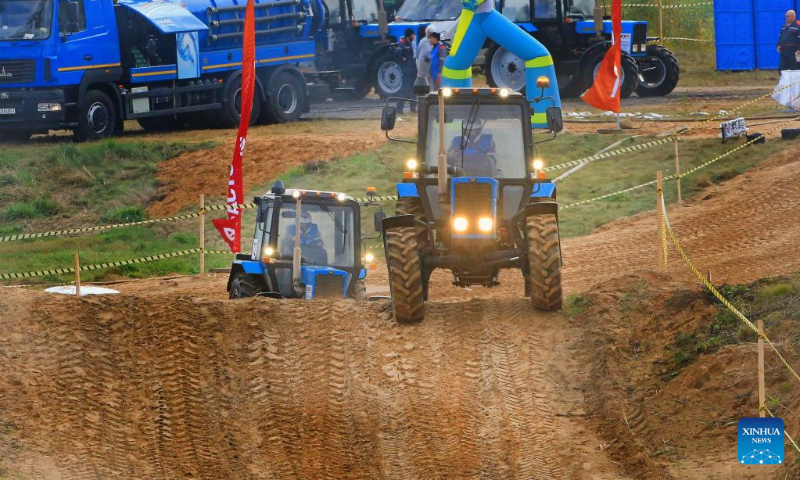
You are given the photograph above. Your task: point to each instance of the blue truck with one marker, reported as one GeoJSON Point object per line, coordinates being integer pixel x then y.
{"type": "Point", "coordinates": [89, 65]}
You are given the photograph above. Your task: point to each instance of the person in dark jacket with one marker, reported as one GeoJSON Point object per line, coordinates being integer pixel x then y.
{"type": "Point", "coordinates": [789, 41]}
{"type": "Point", "coordinates": [407, 49]}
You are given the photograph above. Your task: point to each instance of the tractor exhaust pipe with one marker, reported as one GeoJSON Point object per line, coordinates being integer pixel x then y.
{"type": "Point", "coordinates": [442, 173]}
{"type": "Point", "coordinates": [297, 253]}
{"type": "Point", "coordinates": [598, 17]}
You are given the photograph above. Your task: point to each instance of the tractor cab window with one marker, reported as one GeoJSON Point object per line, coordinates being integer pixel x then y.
{"type": "Point", "coordinates": [580, 8]}
{"type": "Point", "coordinates": [481, 140]}
{"type": "Point", "coordinates": [429, 10]}
{"type": "Point", "coordinates": [25, 19]}
{"type": "Point", "coordinates": [517, 10]}
{"type": "Point", "coordinates": [545, 9]}
{"type": "Point", "coordinates": [334, 8]}
{"type": "Point", "coordinates": [364, 10]}
{"type": "Point", "coordinates": [326, 234]}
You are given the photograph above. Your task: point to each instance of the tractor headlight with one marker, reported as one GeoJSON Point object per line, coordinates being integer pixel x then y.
{"type": "Point", "coordinates": [412, 164]}
{"type": "Point", "coordinates": [460, 224]}
{"type": "Point", "coordinates": [486, 225]}
{"type": "Point", "coordinates": [538, 164]}
{"type": "Point", "coordinates": [503, 92]}
{"type": "Point", "coordinates": [447, 92]}
{"type": "Point", "coordinates": [269, 251]}
{"type": "Point", "coordinates": [296, 194]}
{"type": "Point", "coordinates": [341, 197]}
{"type": "Point", "coordinates": [369, 258]}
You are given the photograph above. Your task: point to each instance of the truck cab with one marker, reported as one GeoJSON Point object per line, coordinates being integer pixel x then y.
{"type": "Point", "coordinates": [306, 244]}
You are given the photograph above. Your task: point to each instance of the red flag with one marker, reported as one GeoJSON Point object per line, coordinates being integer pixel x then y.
{"type": "Point", "coordinates": [605, 92]}
{"type": "Point", "coordinates": [231, 228]}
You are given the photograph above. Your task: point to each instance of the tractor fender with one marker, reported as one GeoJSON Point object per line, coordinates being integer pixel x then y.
{"type": "Point", "coordinates": [398, 221]}
{"type": "Point", "coordinates": [407, 190]}
{"type": "Point", "coordinates": [536, 206]}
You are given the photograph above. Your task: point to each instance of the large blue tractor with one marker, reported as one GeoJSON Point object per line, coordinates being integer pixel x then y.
{"type": "Point", "coordinates": [475, 200]}
{"type": "Point", "coordinates": [307, 244]}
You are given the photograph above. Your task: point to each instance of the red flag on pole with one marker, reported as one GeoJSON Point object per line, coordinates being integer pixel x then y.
{"type": "Point", "coordinates": [605, 92]}
{"type": "Point", "coordinates": [231, 228]}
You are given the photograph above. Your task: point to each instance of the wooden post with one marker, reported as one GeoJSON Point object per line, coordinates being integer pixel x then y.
{"type": "Point", "coordinates": [762, 396]}
{"type": "Point", "coordinates": [77, 275]}
{"type": "Point", "coordinates": [659, 220]}
{"type": "Point", "coordinates": [678, 166]}
{"type": "Point", "coordinates": [661, 21]}
{"type": "Point", "coordinates": [202, 234]}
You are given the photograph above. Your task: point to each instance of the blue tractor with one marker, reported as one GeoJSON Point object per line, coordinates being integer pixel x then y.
{"type": "Point", "coordinates": [475, 200]}
{"type": "Point", "coordinates": [578, 33]}
{"type": "Point", "coordinates": [307, 244]}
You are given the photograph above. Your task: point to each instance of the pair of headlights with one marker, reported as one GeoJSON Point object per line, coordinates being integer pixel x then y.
{"type": "Point", "coordinates": [485, 224]}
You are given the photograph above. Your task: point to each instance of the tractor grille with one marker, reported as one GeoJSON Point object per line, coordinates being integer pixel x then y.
{"type": "Point", "coordinates": [330, 286]}
{"type": "Point", "coordinates": [473, 200]}
{"type": "Point", "coordinates": [17, 71]}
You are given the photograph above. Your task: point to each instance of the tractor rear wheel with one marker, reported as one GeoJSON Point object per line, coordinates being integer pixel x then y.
{"type": "Point", "coordinates": [245, 286]}
{"type": "Point", "coordinates": [544, 262]}
{"type": "Point", "coordinates": [405, 274]}
{"type": "Point", "coordinates": [413, 206]}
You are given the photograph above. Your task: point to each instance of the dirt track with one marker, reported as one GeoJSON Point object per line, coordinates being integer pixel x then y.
{"type": "Point", "coordinates": [177, 383]}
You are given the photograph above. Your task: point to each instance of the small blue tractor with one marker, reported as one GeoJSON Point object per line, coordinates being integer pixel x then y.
{"type": "Point", "coordinates": [307, 244]}
{"type": "Point", "coordinates": [475, 199]}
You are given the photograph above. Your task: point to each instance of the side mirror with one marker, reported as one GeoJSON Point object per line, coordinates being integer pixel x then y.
{"type": "Point", "coordinates": [555, 122]}
{"type": "Point", "coordinates": [378, 221]}
{"type": "Point", "coordinates": [422, 86]}
{"type": "Point", "coordinates": [388, 118]}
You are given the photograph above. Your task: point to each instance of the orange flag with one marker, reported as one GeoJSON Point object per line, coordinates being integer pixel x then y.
{"type": "Point", "coordinates": [605, 92]}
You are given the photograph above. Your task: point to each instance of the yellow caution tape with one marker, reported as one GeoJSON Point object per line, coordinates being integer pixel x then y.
{"type": "Point", "coordinates": [721, 298]}
{"type": "Point", "coordinates": [683, 5]}
{"type": "Point", "coordinates": [682, 39]}
{"type": "Point", "coordinates": [794, 444]}
{"type": "Point", "coordinates": [664, 244]}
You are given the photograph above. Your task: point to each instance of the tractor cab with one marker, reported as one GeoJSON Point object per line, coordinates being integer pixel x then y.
{"type": "Point", "coordinates": [477, 200]}
{"type": "Point", "coordinates": [306, 244]}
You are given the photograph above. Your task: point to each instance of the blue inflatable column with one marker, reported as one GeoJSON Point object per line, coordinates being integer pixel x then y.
{"type": "Point", "coordinates": [467, 42]}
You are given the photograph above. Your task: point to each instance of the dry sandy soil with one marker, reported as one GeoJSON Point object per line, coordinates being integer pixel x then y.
{"type": "Point", "coordinates": [169, 380]}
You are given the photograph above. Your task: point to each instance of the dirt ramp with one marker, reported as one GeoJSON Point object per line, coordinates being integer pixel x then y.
{"type": "Point", "coordinates": [147, 387]}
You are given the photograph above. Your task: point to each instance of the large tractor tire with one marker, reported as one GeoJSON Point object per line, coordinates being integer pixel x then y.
{"type": "Point", "coordinates": [413, 206]}
{"type": "Point", "coordinates": [390, 77]}
{"type": "Point", "coordinates": [245, 286]}
{"type": "Point", "coordinates": [97, 117]}
{"type": "Point", "coordinates": [630, 73]}
{"type": "Point", "coordinates": [544, 262]}
{"type": "Point", "coordinates": [659, 72]}
{"type": "Point", "coordinates": [405, 275]}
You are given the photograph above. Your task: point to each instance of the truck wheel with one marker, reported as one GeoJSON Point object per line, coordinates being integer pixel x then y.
{"type": "Point", "coordinates": [231, 112]}
{"type": "Point", "coordinates": [389, 76]}
{"type": "Point", "coordinates": [505, 70]}
{"type": "Point", "coordinates": [359, 290]}
{"type": "Point", "coordinates": [413, 206]}
{"type": "Point", "coordinates": [544, 262]}
{"type": "Point", "coordinates": [245, 286]}
{"type": "Point", "coordinates": [630, 73]}
{"type": "Point", "coordinates": [97, 117]}
{"type": "Point", "coordinates": [405, 274]}
{"type": "Point", "coordinates": [285, 100]}
{"type": "Point", "coordinates": [658, 72]}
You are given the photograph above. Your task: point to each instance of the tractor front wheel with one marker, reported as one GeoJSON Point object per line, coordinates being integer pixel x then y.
{"type": "Point", "coordinates": [405, 274]}
{"type": "Point", "coordinates": [659, 72]}
{"type": "Point", "coordinates": [245, 286]}
{"type": "Point", "coordinates": [630, 73]}
{"type": "Point", "coordinates": [359, 290]}
{"type": "Point", "coordinates": [544, 262]}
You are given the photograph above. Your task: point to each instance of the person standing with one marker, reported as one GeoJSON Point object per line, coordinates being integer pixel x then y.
{"type": "Point", "coordinates": [789, 41]}
{"type": "Point", "coordinates": [406, 50]}
{"type": "Point", "coordinates": [423, 57]}
{"type": "Point", "coordinates": [438, 56]}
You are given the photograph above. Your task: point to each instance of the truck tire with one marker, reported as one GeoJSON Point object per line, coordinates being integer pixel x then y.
{"type": "Point", "coordinates": [285, 100]}
{"type": "Point", "coordinates": [659, 72]}
{"type": "Point", "coordinates": [359, 290]}
{"type": "Point", "coordinates": [630, 73]}
{"type": "Point", "coordinates": [405, 275]}
{"type": "Point", "coordinates": [245, 286]}
{"type": "Point", "coordinates": [97, 117]}
{"type": "Point", "coordinates": [544, 262]}
{"type": "Point", "coordinates": [230, 114]}
{"type": "Point", "coordinates": [389, 76]}
{"type": "Point", "coordinates": [504, 69]}
{"type": "Point", "coordinates": [413, 206]}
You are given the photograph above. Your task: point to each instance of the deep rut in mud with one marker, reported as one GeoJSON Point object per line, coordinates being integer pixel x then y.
{"type": "Point", "coordinates": [135, 387]}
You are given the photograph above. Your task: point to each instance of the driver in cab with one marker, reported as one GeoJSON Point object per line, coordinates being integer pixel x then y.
{"type": "Point", "coordinates": [474, 151]}
{"type": "Point", "coordinates": [310, 239]}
